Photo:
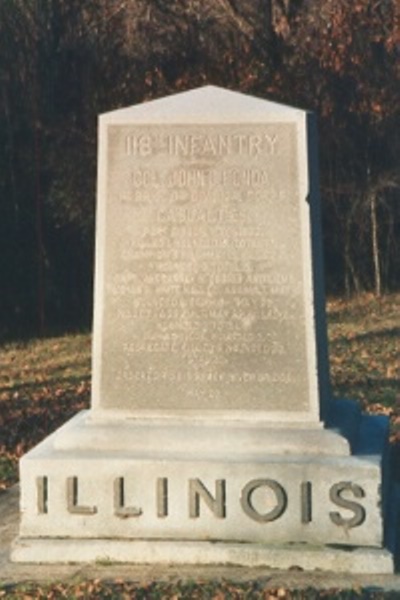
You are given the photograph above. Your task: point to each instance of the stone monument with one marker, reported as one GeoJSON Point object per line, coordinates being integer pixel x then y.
{"type": "Point", "coordinates": [212, 436]}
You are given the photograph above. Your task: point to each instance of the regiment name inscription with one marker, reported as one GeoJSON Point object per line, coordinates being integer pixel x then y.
{"type": "Point", "coordinates": [201, 145]}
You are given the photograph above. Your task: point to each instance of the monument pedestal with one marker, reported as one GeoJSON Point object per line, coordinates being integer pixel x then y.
{"type": "Point", "coordinates": [176, 491]}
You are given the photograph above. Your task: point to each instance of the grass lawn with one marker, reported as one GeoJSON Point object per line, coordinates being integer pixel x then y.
{"type": "Point", "coordinates": [44, 382]}
{"type": "Point", "coordinates": [364, 339]}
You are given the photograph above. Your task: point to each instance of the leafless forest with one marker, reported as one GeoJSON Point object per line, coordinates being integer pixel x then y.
{"type": "Point", "coordinates": [62, 62]}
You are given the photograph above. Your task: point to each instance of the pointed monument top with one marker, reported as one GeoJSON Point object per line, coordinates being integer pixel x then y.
{"type": "Point", "coordinates": [206, 104]}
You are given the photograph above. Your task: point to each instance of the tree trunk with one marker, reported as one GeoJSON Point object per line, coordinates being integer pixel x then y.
{"type": "Point", "coordinates": [375, 245]}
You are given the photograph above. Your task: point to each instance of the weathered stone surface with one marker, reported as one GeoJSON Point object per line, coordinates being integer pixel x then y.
{"type": "Point", "coordinates": [190, 438]}
{"type": "Point", "coordinates": [368, 561]}
{"type": "Point", "coordinates": [277, 498]}
{"type": "Point", "coordinates": [204, 298]}
{"type": "Point", "coordinates": [158, 561]}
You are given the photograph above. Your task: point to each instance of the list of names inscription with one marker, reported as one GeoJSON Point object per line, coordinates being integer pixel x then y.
{"type": "Point", "coordinates": [203, 303]}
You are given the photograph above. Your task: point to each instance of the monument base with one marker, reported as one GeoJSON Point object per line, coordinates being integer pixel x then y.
{"type": "Point", "coordinates": [137, 491]}
{"type": "Point", "coordinates": [339, 560]}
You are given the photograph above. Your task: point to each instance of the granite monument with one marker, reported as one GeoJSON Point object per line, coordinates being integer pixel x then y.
{"type": "Point", "coordinates": [212, 435]}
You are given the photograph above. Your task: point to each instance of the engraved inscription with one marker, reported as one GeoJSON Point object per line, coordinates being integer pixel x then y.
{"type": "Point", "coordinates": [122, 511]}
{"type": "Point", "coordinates": [247, 502]}
{"type": "Point", "coordinates": [262, 500]}
{"type": "Point", "coordinates": [337, 494]}
{"type": "Point", "coordinates": [306, 502]}
{"type": "Point", "coordinates": [203, 272]}
{"type": "Point", "coordinates": [42, 487]}
{"type": "Point", "coordinates": [72, 499]}
{"type": "Point", "coordinates": [162, 497]}
{"type": "Point", "coordinates": [197, 491]}
{"type": "Point", "coordinates": [201, 145]}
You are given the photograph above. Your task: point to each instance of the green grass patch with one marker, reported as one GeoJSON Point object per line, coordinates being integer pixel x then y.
{"type": "Point", "coordinates": [364, 337]}
{"type": "Point", "coordinates": [8, 470]}
{"type": "Point", "coordinates": [42, 384]}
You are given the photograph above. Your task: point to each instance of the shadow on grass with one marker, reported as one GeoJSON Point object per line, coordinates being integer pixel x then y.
{"type": "Point", "coordinates": [389, 332]}
{"type": "Point", "coordinates": [370, 390]}
{"type": "Point", "coordinates": [369, 381]}
{"type": "Point", "coordinates": [56, 381]}
{"type": "Point", "coordinates": [25, 422]}
{"type": "Point", "coordinates": [393, 332]}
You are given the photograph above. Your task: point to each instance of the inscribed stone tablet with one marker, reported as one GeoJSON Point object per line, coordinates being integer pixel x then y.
{"type": "Point", "coordinates": [203, 303]}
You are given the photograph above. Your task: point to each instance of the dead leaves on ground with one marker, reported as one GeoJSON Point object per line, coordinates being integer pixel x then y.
{"type": "Point", "coordinates": [364, 336]}
{"type": "Point", "coordinates": [179, 590]}
{"type": "Point", "coordinates": [42, 384]}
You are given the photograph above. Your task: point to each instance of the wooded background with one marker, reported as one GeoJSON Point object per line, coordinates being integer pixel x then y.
{"type": "Point", "coordinates": [62, 62]}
